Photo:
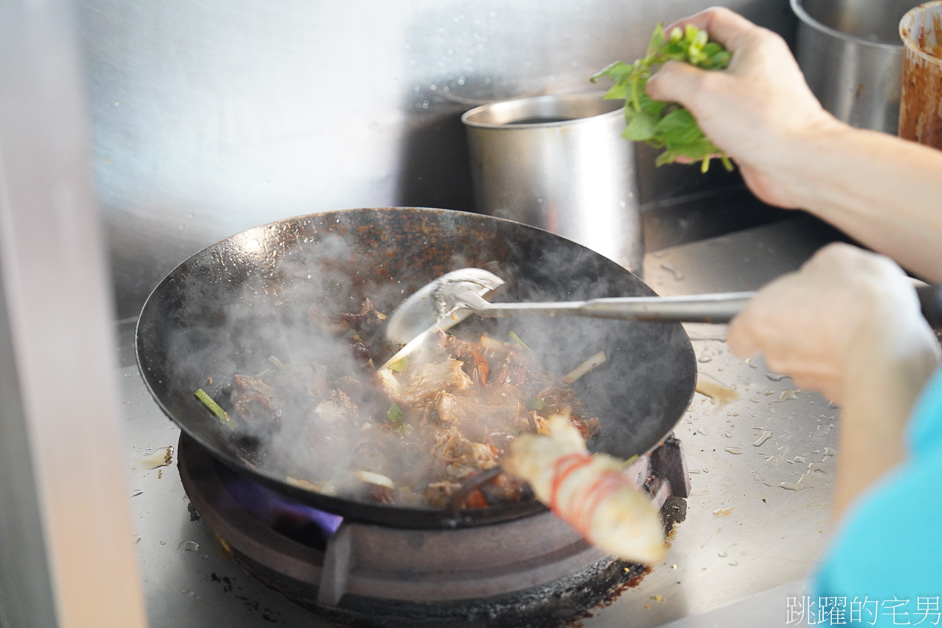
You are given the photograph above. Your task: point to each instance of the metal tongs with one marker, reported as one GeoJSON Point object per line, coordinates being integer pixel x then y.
{"type": "Point", "coordinates": [453, 297]}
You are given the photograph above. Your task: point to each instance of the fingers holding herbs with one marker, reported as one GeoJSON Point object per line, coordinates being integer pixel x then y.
{"type": "Point", "coordinates": [659, 123]}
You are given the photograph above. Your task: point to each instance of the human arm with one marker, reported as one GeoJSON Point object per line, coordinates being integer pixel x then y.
{"type": "Point", "coordinates": [881, 190]}
{"type": "Point", "coordinates": [848, 325]}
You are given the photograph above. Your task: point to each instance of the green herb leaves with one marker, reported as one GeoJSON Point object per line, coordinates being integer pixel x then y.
{"type": "Point", "coordinates": [663, 124]}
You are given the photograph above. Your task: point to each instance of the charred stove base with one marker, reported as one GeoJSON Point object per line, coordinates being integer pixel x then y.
{"type": "Point", "coordinates": [535, 571]}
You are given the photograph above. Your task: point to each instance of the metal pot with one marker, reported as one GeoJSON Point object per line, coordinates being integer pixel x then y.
{"type": "Point", "coordinates": [852, 57]}
{"type": "Point", "coordinates": [559, 162]}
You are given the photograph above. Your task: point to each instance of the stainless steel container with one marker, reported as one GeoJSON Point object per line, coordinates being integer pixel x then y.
{"type": "Point", "coordinates": [851, 54]}
{"type": "Point", "coordinates": [559, 162]}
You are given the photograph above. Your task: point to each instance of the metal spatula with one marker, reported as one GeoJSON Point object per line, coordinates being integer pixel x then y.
{"type": "Point", "coordinates": [453, 297]}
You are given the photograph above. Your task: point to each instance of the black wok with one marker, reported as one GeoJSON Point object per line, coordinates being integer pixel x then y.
{"type": "Point", "coordinates": [222, 312]}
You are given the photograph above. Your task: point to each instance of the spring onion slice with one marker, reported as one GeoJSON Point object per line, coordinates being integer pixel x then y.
{"type": "Point", "coordinates": [513, 336]}
{"type": "Point", "coordinates": [585, 367]}
{"type": "Point", "coordinates": [214, 407]}
{"type": "Point", "coordinates": [278, 364]}
{"type": "Point", "coordinates": [394, 413]}
{"type": "Point", "coordinates": [399, 365]}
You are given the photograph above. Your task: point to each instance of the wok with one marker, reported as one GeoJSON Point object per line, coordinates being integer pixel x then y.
{"type": "Point", "coordinates": [227, 308]}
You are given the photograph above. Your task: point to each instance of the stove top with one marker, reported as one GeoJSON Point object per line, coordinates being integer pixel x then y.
{"type": "Point", "coordinates": [532, 571]}
{"type": "Point", "coordinates": [760, 463]}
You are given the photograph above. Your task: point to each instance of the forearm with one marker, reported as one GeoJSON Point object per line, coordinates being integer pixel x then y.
{"type": "Point", "coordinates": [881, 190]}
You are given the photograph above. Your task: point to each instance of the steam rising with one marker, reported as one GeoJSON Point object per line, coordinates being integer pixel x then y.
{"type": "Point", "coordinates": [267, 293]}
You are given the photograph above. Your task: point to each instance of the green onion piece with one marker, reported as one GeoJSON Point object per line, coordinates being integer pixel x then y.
{"type": "Point", "coordinates": [214, 407]}
{"type": "Point", "coordinates": [278, 363]}
{"type": "Point", "coordinates": [399, 365]}
{"type": "Point", "coordinates": [536, 404]}
{"type": "Point", "coordinates": [627, 463]}
{"type": "Point", "coordinates": [513, 336]}
{"type": "Point", "coordinates": [394, 413]}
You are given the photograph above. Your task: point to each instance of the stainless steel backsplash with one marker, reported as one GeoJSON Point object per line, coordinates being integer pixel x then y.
{"type": "Point", "coordinates": [211, 117]}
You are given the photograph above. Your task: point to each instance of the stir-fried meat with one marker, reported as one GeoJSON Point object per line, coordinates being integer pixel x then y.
{"type": "Point", "coordinates": [438, 494]}
{"type": "Point", "coordinates": [504, 489]}
{"type": "Point", "coordinates": [366, 320]}
{"type": "Point", "coordinates": [254, 400]}
{"type": "Point", "coordinates": [431, 379]}
{"type": "Point", "coordinates": [471, 354]}
{"type": "Point", "coordinates": [514, 369]}
{"type": "Point", "coordinates": [432, 433]}
{"type": "Point", "coordinates": [337, 406]}
{"type": "Point", "coordinates": [473, 417]}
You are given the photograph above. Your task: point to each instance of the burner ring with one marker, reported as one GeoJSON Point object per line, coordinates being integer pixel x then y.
{"type": "Point", "coordinates": [532, 571]}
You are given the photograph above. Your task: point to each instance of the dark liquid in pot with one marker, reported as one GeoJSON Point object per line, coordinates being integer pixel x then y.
{"type": "Point", "coordinates": [540, 120]}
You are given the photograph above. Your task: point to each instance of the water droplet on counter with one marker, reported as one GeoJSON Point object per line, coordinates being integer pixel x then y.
{"type": "Point", "coordinates": [703, 359]}
{"type": "Point", "coordinates": [722, 554]}
{"type": "Point", "coordinates": [728, 434]}
{"type": "Point", "coordinates": [719, 394]}
{"type": "Point", "coordinates": [733, 563]}
{"type": "Point", "coordinates": [789, 393]}
{"type": "Point", "coordinates": [135, 493]}
{"type": "Point", "coordinates": [137, 540]}
{"type": "Point", "coordinates": [188, 546]}
{"type": "Point", "coordinates": [734, 450]}
{"type": "Point", "coordinates": [776, 377]}
{"type": "Point", "coordinates": [766, 435]}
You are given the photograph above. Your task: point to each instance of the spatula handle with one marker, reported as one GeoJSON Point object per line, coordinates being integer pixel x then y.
{"type": "Point", "coordinates": [698, 308]}
{"type": "Point", "coordinates": [701, 308]}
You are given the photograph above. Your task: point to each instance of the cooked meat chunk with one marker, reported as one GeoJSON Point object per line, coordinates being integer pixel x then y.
{"type": "Point", "coordinates": [254, 400]}
{"type": "Point", "coordinates": [336, 407]}
{"type": "Point", "coordinates": [433, 378]}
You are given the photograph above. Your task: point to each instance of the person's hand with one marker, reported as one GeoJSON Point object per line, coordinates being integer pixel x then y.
{"type": "Point", "coordinates": [844, 311]}
{"type": "Point", "coordinates": [848, 325]}
{"type": "Point", "coordinates": [759, 110]}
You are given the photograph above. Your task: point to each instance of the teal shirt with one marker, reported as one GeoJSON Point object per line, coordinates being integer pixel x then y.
{"type": "Point", "coordinates": [884, 567]}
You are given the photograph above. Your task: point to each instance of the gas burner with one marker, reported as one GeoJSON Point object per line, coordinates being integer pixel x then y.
{"type": "Point", "coordinates": [534, 571]}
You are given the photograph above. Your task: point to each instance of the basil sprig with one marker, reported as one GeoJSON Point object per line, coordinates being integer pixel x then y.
{"type": "Point", "coordinates": [664, 124]}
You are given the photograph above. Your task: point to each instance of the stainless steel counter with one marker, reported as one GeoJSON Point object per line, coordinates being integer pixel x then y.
{"type": "Point", "coordinates": [761, 455]}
